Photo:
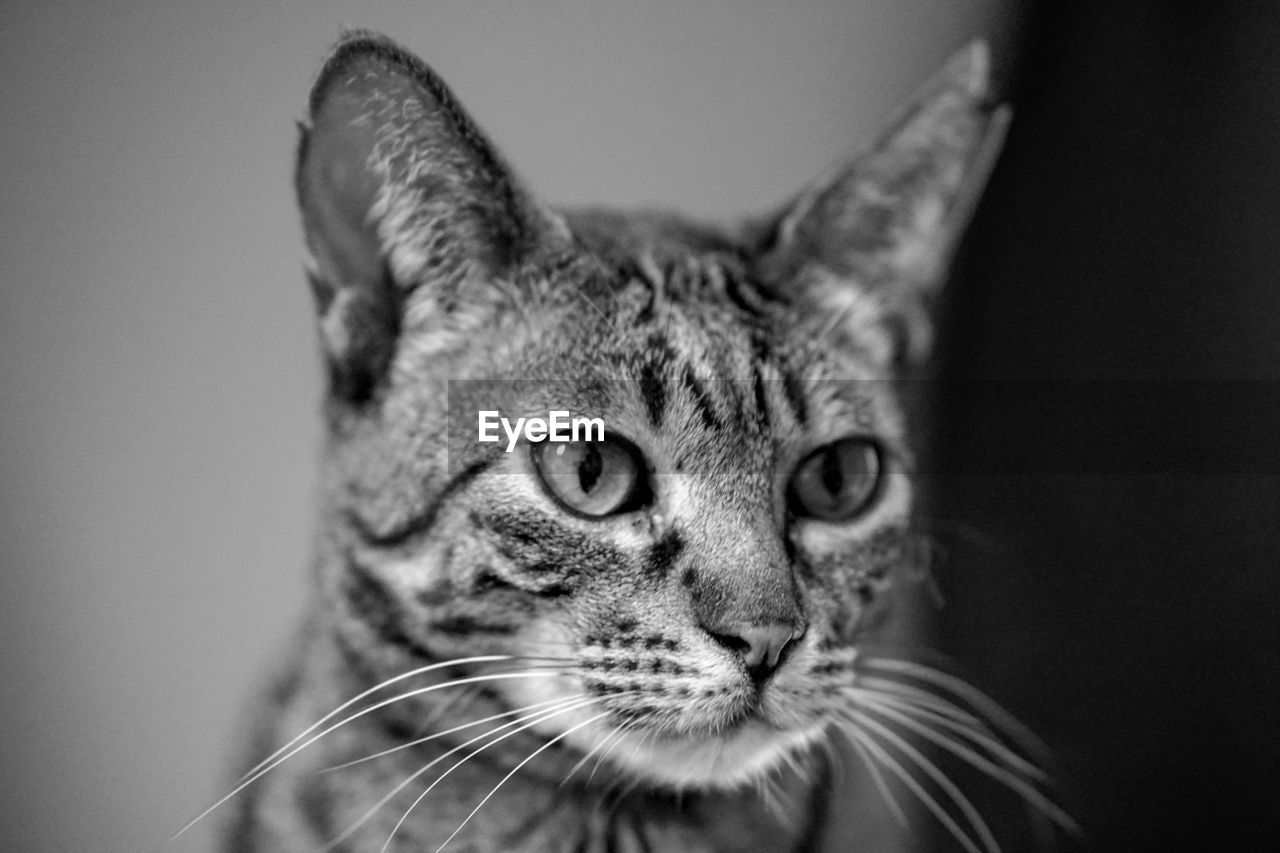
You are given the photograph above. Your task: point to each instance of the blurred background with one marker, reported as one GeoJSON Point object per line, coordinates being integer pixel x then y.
{"type": "Point", "coordinates": [159, 379]}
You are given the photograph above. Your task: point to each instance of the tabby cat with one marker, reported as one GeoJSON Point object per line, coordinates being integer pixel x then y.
{"type": "Point", "coordinates": [690, 635]}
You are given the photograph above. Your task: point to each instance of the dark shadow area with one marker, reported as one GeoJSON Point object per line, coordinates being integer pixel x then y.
{"type": "Point", "coordinates": [1129, 615]}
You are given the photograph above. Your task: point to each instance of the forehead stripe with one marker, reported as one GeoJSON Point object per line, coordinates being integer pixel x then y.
{"type": "Point", "coordinates": [653, 392]}
{"type": "Point", "coordinates": [794, 391]}
{"type": "Point", "coordinates": [701, 398]}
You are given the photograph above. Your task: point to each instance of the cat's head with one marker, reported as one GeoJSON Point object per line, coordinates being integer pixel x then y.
{"type": "Point", "coordinates": [702, 579]}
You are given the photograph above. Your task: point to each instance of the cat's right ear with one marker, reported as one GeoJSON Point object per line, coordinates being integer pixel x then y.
{"type": "Point", "coordinates": [402, 200]}
{"type": "Point", "coordinates": [867, 246]}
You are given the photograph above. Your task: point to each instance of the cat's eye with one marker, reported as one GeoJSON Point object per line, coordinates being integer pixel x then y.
{"type": "Point", "coordinates": [837, 482]}
{"type": "Point", "coordinates": [593, 478]}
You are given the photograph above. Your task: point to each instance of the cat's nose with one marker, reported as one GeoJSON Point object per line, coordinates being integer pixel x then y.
{"type": "Point", "coordinates": [760, 646]}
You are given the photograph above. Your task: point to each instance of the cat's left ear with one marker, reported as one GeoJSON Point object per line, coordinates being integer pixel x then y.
{"type": "Point", "coordinates": [868, 245]}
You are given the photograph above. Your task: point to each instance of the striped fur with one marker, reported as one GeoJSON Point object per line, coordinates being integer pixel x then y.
{"type": "Point", "coordinates": [725, 355]}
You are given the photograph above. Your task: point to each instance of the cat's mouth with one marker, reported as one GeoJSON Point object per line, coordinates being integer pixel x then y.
{"type": "Point", "coordinates": [728, 757]}
{"type": "Point", "coordinates": [713, 737]}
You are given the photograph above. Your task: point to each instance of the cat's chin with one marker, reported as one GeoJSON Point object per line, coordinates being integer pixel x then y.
{"type": "Point", "coordinates": [734, 758]}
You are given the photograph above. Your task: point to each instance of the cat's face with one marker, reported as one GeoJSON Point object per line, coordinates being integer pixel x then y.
{"type": "Point", "coordinates": [704, 571]}
{"type": "Point", "coordinates": [687, 596]}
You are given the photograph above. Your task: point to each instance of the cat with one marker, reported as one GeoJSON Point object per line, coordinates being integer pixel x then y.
{"type": "Point", "coordinates": [659, 639]}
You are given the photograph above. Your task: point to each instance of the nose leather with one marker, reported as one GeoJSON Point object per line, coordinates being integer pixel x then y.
{"type": "Point", "coordinates": [760, 646]}
{"type": "Point", "coordinates": [765, 643]}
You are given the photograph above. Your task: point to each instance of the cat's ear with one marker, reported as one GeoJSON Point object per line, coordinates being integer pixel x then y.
{"type": "Point", "coordinates": [868, 245]}
{"type": "Point", "coordinates": [402, 198]}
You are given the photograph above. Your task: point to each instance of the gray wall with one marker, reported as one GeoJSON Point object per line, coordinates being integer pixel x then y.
{"type": "Point", "coordinates": [158, 374]}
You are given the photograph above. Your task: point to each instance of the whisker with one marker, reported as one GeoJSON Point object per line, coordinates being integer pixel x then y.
{"type": "Point", "coordinates": [768, 792]}
{"type": "Point", "coordinates": [574, 705]}
{"type": "Point", "coordinates": [338, 710]}
{"type": "Point", "coordinates": [597, 749]}
{"type": "Point", "coordinates": [565, 704]}
{"type": "Point", "coordinates": [450, 707]}
{"type": "Point", "coordinates": [1027, 791]}
{"type": "Point", "coordinates": [979, 736]}
{"type": "Point", "coordinates": [983, 703]}
{"type": "Point", "coordinates": [390, 681]}
{"type": "Point", "coordinates": [879, 781]}
{"type": "Point", "coordinates": [268, 766]}
{"type": "Point", "coordinates": [592, 303]}
{"type": "Point", "coordinates": [513, 772]}
{"type": "Point", "coordinates": [445, 733]}
{"type": "Point", "coordinates": [619, 731]}
{"type": "Point", "coordinates": [914, 786]}
{"type": "Point", "coordinates": [893, 765]}
{"type": "Point", "coordinates": [923, 699]}
{"type": "Point", "coordinates": [630, 783]}
{"type": "Point", "coordinates": [931, 769]}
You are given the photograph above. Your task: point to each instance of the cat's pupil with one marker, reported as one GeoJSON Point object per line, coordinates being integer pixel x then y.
{"type": "Point", "coordinates": [589, 469]}
{"type": "Point", "coordinates": [832, 472]}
